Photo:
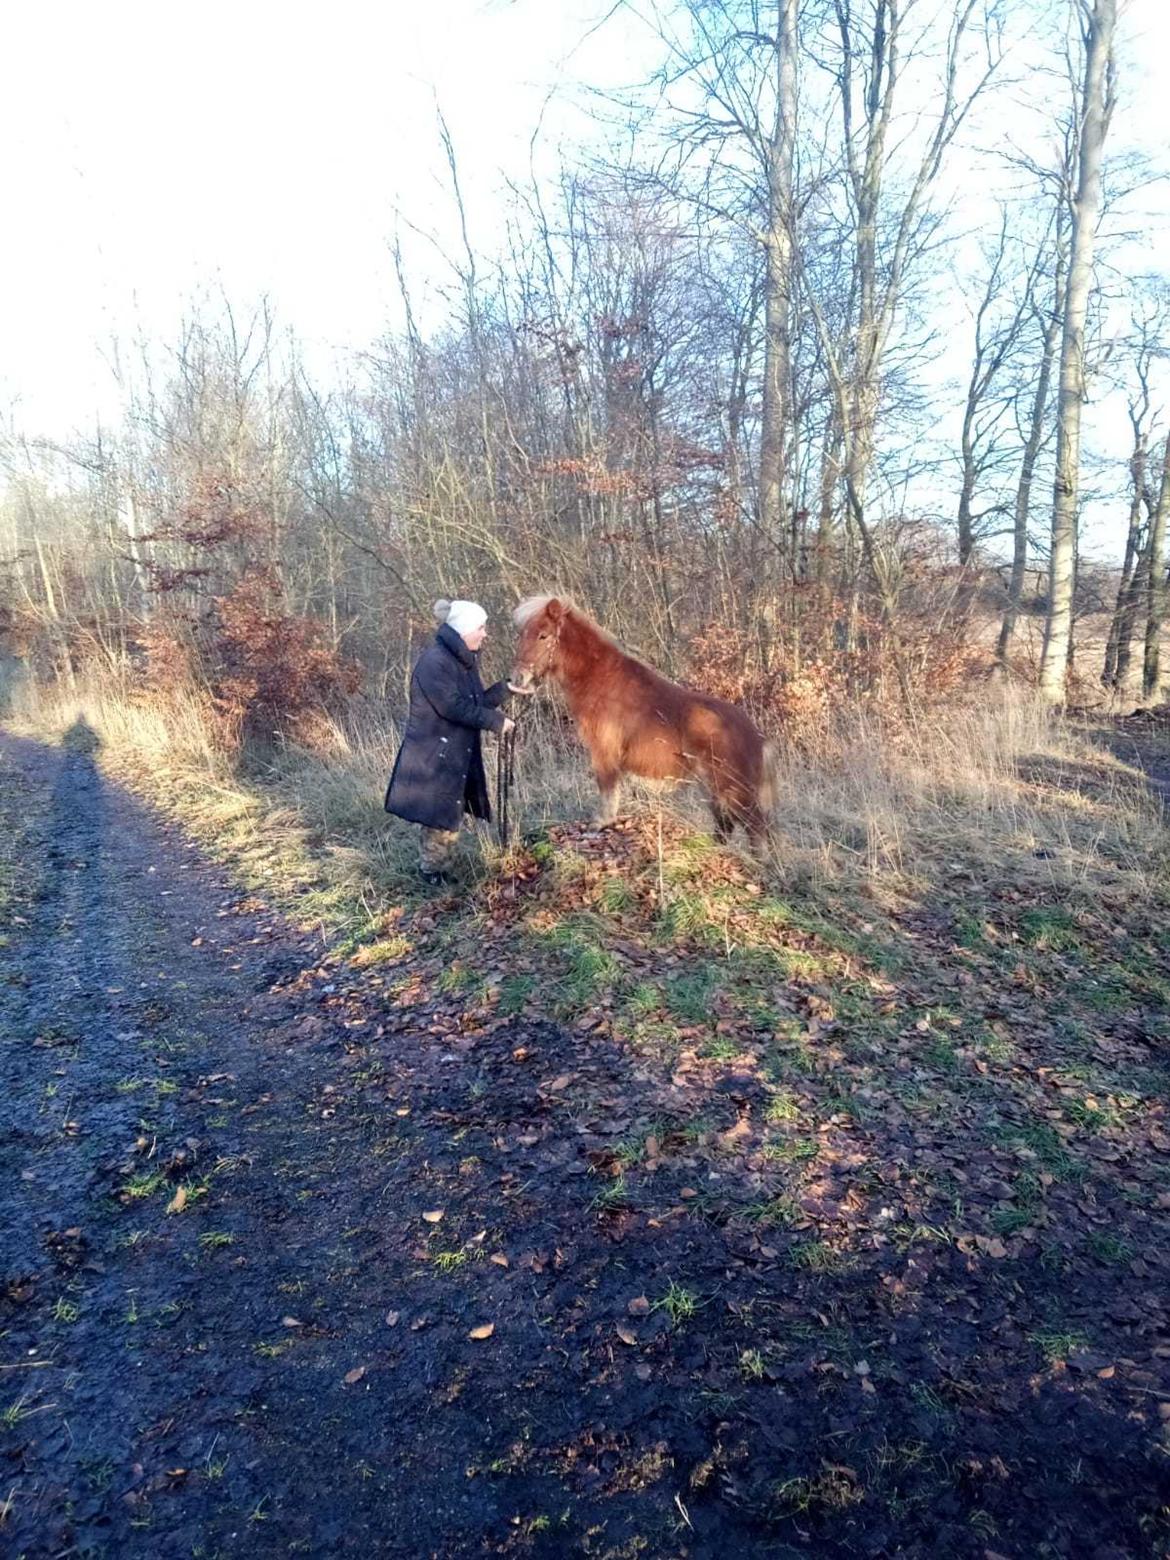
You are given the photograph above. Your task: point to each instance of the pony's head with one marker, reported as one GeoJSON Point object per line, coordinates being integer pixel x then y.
{"type": "Point", "coordinates": [540, 620]}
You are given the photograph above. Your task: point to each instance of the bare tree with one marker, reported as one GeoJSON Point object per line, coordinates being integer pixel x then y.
{"type": "Point", "coordinates": [1004, 322]}
{"type": "Point", "coordinates": [778, 245]}
{"type": "Point", "coordinates": [1156, 588]}
{"type": "Point", "coordinates": [1051, 268]}
{"type": "Point", "coordinates": [1133, 591]}
{"type": "Point", "coordinates": [1099, 18]}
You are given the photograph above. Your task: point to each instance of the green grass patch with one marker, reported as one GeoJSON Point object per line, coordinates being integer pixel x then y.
{"type": "Point", "coordinates": [970, 930]}
{"type": "Point", "coordinates": [688, 997]}
{"type": "Point", "coordinates": [783, 1108]}
{"type": "Point", "coordinates": [688, 916]}
{"type": "Point", "coordinates": [817, 1256]}
{"type": "Point", "coordinates": [457, 979]}
{"type": "Point", "coordinates": [781, 1211]}
{"type": "Point", "coordinates": [681, 1305]}
{"type": "Point", "coordinates": [1056, 1344]}
{"type": "Point", "coordinates": [615, 896]}
{"type": "Point", "coordinates": [515, 991]}
{"type": "Point", "coordinates": [215, 1240]}
{"type": "Point", "coordinates": [1010, 1221]}
{"type": "Point", "coordinates": [1046, 1145]}
{"type": "Point", "coordinates": [645, 998]}
{"type": "Point", "coordinates": [387, 951]}
{"type": "Point", "coordinates": [1110, 1249]}
{"type": "Point", "coordinates": [833, 1490]}
{"type": "Point", "coordinates": [613, 1196]}
{"type": "Point", "coordinates": [788, 1151]}
{"type": "Point", "coordinates": [144, 1184]}
{"type": "Point", "coordinates": [1092, 1116]}
{"type": "Point", "coordinates": [1050, 929]}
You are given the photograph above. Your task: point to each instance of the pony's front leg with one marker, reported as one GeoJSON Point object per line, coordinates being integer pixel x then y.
{"type": "Point", "coordinates": [724, 821]}
{"type": "Point", "coordinates": [609, 784]}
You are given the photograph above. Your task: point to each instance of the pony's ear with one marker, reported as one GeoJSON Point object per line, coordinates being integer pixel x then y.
{"type": "Point", "coordinates": [555, 610]}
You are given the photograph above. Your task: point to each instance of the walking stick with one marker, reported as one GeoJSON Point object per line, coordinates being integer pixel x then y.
{"type": "Point", "coordinates": [505, 778]}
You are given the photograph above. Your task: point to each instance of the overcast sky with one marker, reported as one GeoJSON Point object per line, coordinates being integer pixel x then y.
{"type": "Point", "coordinates": [153, 150]}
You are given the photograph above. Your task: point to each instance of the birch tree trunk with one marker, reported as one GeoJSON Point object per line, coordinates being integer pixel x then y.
{"type": "Point", "coordinates": [1156, 584]}
{"type": "Point", "coordinates": [1032, 447]}
{"type": "Point", "coordinates": [1101, 17]}
{"type": "Point", "coordinates": [1133, 591]}
{"type": "Point", "coordinates": [778, 286]}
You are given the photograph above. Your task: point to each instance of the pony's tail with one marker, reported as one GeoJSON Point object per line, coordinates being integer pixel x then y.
{"type": "Point", "coordinates": [769, 778]}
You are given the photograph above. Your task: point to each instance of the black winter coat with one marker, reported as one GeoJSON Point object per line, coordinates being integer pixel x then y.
{"type": "Point", "coordinates": [439, 774]}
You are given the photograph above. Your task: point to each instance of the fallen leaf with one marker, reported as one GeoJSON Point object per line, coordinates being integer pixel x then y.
{"type": "Point", "coordinates": [434, 1216]}
{"type": "Point", "coordinates": [178, 1202]}
{"type": "Point", "coordinates": [290, 1321]}
{"type": "Point", "coordinates": [352, 1376]}
{"type": "Point", "coordinates": [499, 1259]}
{"type": "Point", "coordinates": [639, 1307]}
{"type": "Point", "coordinates": [483, 1332]}
{"type": "Point", "coordinates": [991, 1246]}
{"type": "Point", "coordinates": [626, 1336]}
{"type": "Point", "coordinates": [392, 1318]}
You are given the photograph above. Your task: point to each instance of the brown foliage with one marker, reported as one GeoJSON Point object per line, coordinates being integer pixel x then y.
{"type": "Point", "coordinates": [166, 653]}
{"type": "Point", "coordinates": [269, 673]}
{"type": "Point", "coordinates": [799, 689]}
{"type": "Point", "coordinates": [274, 672]}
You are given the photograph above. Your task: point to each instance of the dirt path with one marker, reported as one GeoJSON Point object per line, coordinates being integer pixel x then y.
{"type": "Point", "coordinates": [160, 1400]}
{"type": "Point", "coordinates": [229, 1327]}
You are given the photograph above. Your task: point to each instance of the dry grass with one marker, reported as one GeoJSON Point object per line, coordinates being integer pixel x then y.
{"type": "Point", "coordinates": [999, 787]}
{"type": "Point", "coordinates": [993, 788]}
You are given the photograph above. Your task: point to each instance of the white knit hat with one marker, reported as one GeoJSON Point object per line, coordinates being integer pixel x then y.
{"type": "Point", "coordinates": [465, 617]}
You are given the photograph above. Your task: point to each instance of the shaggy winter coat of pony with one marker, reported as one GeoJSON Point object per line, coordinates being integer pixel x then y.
{"type": "Point", "coordinates": [634, 721]}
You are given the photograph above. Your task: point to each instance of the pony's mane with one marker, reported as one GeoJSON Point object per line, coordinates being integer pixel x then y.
{"type": "Point", "coordinates": [527, 610]}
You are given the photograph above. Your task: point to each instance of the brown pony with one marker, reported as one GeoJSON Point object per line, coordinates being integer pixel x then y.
{"type": "Point", "coordinates": [634, 721]}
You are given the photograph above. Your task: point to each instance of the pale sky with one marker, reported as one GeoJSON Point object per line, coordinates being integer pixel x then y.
{"type": "Point", "coordinates": [154, 150]}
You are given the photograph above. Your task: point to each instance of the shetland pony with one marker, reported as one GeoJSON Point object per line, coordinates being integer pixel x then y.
{"type": "Point", "coordinates": [633, 721]}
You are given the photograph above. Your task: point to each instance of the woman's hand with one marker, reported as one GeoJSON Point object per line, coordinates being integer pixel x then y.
{"type": "Point", "coordinates": [519, 688]}
{"type": "Point", "coordinates": [509, 725]}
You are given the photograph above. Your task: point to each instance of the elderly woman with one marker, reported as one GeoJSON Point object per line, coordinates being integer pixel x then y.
{"type": "Point", "coordinates": [439, 774]}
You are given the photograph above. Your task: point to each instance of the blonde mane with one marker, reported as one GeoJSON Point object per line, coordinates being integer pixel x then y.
{"type": "Point", "coordinates": [528, 608]}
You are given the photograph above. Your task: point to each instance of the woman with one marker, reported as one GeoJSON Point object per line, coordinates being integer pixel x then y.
{"type": "Point", "coordinates": [439, 774]}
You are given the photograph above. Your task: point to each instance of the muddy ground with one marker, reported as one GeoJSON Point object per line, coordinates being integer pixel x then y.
{"type": "Point", "coordinates": [294, 1260]}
